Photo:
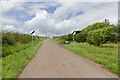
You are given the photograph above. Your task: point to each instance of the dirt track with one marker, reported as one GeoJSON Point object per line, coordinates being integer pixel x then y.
{"type": "Point", "coordinates": [52, 61]}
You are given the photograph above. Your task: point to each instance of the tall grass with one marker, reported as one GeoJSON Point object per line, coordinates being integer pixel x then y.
{"type": "Point", "coordinates": [13, 64]}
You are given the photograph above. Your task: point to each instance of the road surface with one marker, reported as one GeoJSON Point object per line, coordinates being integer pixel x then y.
{"type": "Point", "coordinates": [52, 61]}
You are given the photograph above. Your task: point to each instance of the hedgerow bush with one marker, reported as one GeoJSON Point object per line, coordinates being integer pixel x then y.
{"type": "Point", "coordinates": [64, 37]}
{"type": "Point", "coordinates": [94, 37]}
{"type": "Point", "coordinates": [97, 26]}
{"type": "Point", "coordinates": [98, 33]}
{"type": "Point", "coordinates": [102, 35]}
{"type": "Point", "coordinates": [81, 37]}
{"type": "Point", "coordinates": [15, 37]}
{"type": "Point", "coordinates": [25, 38]}
{"type": "Point", "coordinates": [8, 38]}
{"type": "Point", "coordinates": [70, 37]}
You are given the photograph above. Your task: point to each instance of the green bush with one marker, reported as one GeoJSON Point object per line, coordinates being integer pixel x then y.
{"type": "Point", "coordinates": [94, 37]}
{"type": "Point", "coordinates": [64, 37]}
{"type": "Point", "coordinates": [98, 33]}
{"type": "Point", "coordinates": [98, 25]}
{"type": "Point", "coordinates": [15, 37]}
{"type": "Point", "coordinates": [6, 51]}
{"type": "Point", "coordinates": [70, 37]}
{"type": "Point", "coordinates": [25, 38]}
{"type": "Point", "coordinates": [8, 38]}
{"type": "Point", "coordinates": [102, 35]}
{"type": "Point", "coordinates": [81, 37]}
{"type": "Point", "coordinates": [11, 39]}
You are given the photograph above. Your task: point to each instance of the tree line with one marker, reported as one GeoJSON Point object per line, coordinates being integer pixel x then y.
{"type": "Point", "coordinates": [11, 38]}
{"type": "Point", "coordinates": [100, 32]}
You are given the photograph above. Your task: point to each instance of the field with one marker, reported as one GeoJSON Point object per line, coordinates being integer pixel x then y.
{"type": "Point", "coordinates": [19, 56]}
{"type": "Point", "coordinates": [106, 54]}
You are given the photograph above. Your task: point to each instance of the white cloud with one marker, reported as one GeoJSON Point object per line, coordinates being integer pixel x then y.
{"type": "Point", "coordinates": [9, 28]}
{"type": "Point", "coordinates": [22, 6]}
{"type": "Point", "coordinates": [57, 24]}
{"type": "Point", "coordinates": [45, 24]}
{"type": "Point", "coordinates": [10, 20]}
{"type": "Point", "coordinates": [8, 5]}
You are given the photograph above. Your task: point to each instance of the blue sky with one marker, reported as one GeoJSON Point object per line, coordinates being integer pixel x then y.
{"type": "Point", "coordinates": [55, 18]}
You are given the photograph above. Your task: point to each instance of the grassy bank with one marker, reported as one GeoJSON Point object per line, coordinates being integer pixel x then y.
{"type": "Point", "coordinates": [106, 54]}
{"type": "Point", "coordinates": [21, 54]}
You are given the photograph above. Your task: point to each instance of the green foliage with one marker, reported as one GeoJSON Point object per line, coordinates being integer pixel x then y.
{"type": "Point", "coordinates": [81, 37]}
{"type": "Point", "coordinates": [97, 26]}
{"type": "Point", "coordinates": [6, 51]}
{"type": "Point", "coordinates": [94, 37]}
{"type": "Point", "coordinates": [70, 37]}
{"type": "Point", "coordinates": [13, 64]}
{"type": "Point", "coordinates": [64, 37]}
{"type": "Point", "coordinates": [22, 38]}
{"type": "Point", "coordinates": [98, 33]}
{"type": "Point", "coordinates": [11, 49]}
{"type": "Point", "coordinates": [15, 37]}
{"type": "Point", "coordinates": [102, 35]}
{"type": "Point", "coordinates": [87, 29]}
{"type": "Point", "coordinates": [8, 38]}
{"type": "Point", "coordinates": [25, 38]}
{"type": "Point", "coordinates": [10, 41]}
{"type": "Point", "coordinates": [107, 56]}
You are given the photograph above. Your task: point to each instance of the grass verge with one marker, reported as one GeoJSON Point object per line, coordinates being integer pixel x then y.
{"type": "Point", "coordinates": [106, 56]}
{"type": "Point", "coordinates": [13, 64]}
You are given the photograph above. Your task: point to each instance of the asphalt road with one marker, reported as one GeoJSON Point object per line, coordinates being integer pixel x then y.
{"type": "Point", "coordinates": [52, 61]}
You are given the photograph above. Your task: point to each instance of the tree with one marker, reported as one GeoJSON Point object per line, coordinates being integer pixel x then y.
{"type": "Point", "coordinates": [69, 37]}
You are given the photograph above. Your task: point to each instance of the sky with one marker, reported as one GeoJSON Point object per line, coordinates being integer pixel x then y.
{"type": "Point", "coordinates": [55, 17]}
